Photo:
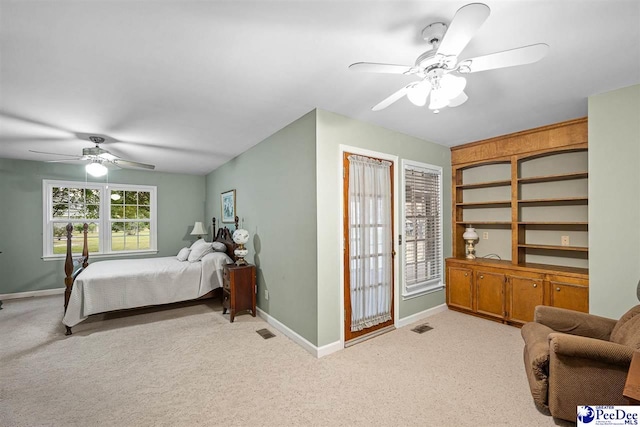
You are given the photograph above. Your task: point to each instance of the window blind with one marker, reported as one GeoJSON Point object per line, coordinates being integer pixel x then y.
{"type": "Point", "coordinates": [423, 229]}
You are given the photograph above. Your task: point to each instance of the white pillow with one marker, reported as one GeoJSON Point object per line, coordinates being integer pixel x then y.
{"type": "Point", "coordinates": [197, 243]}
{"type": "Point", "coordinates": [219, 247]}
{"type": "Point", "coordinates": [183, 254]}
{"type": "Point", "coordinates": [199, 251]}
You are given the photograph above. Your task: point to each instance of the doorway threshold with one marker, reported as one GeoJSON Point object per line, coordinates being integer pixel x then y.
{"type": "Point", "coordinates": [369, 336]}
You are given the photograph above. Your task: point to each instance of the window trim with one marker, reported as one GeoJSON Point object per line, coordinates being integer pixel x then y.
{"type": "Point", "coordinates": [104, 243]}
{"type": "Point", "coordinates": [433, 285]}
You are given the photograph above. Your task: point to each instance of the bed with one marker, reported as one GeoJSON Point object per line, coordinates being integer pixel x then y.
{"type": "Point", "coordinates": [133, 283]}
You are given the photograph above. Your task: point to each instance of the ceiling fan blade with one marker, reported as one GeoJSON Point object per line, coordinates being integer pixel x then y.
{"type": "Point", "coordinates": [64, 161]}
{"type": "Point", "coordinates": [129, 163]}
{"type": "Point", "coordinates": [58, 154]}
{"type": "Point", "coordinates": [113, 165]}
{"type": "Point", "coordinates": [507, 58]}
{"type": "Point", "coordinates": [392, 98]}
{"type": "Point", "coordinates": [458, 100]}
{"type": "Point", "coordinates": [107, 156]}
{"type": "Point", "coordinates": [371, 67]}
{"type": "Point", "coordinates": [32, 138]}
{"type": "Point", "coordinates": [464, 25]}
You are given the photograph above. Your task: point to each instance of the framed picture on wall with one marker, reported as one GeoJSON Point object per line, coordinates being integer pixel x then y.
{"type": "Point", "coordinates": [228, 204]}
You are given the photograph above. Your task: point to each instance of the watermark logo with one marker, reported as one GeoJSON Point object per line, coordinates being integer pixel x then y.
{"type": "Point", "coordinates": [586, 414]}
{"type": "Point", "coordinates": [589, 416]}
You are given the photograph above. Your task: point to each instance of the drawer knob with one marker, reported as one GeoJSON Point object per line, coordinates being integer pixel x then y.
{"type": "Point", "coordinates": [535, 285]}
{"type": "Point", "coordinates": [466, 274]}
{"type": "Point", "coordinates": [482, 277]}
{"type": "Point", "coordinates": [558, 289]}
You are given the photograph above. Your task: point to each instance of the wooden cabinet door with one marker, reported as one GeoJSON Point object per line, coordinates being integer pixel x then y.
{"type": "Point", "coordinates": [525, 293]}
{"type": "Point", "coordinates": [459, 288]}
{"type": "Point", "coordinates": [490, 293]}
{"type": "Point", "coordinates": [570, 295]}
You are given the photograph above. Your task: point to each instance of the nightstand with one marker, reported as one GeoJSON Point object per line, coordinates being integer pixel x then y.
{"type": "Point", "coordinates": [238, 289]}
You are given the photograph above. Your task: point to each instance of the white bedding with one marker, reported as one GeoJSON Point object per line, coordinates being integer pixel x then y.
{"type": "Point", "coordinates": [119, 284]}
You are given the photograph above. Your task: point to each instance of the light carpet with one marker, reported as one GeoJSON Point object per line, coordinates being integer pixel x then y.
{"type": "Point", "coordinates": [186, 365]}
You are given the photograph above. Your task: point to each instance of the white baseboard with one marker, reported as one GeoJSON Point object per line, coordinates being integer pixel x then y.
{"type": "Point", "coordinates": [31, 294]}
{"type": "Point", "coordinates": [339, 345]}
{"type": "Point", "coordinates": [329, 348]}
{"type": "Point", "coordinates": [421, 315]}
{"type": "Point", "coordinates": [299, 339]}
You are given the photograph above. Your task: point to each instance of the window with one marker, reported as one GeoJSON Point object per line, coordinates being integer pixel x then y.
{"type": "Point", "coordinates": [121, 218]}
{"type": "Point", "coordinates": [129, 220]}
{"type": "Point", "coordinates": [422, 228]}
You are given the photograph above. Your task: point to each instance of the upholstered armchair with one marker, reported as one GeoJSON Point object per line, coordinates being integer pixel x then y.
{"type": "Point", "coordinates": [573, 358]}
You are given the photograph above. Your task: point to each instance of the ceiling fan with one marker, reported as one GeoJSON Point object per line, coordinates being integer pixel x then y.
{"type": "Point", "coordinates": [97, 158]}
{"type": "Point", "coordinates": [440, 72]}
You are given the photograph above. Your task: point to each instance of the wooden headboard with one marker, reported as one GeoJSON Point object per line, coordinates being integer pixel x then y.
{"type": "Point", "coordinates": [223, 235]}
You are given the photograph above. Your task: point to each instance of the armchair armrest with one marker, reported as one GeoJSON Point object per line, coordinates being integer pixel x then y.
{"type": "Point", "coordinates": [590, 348]}
{"type": "Point", "coordinates": [574, 322]}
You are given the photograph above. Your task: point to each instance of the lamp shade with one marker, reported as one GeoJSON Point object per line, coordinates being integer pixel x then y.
{"type": "Point", "coordinates": [470, 234]}
{"type": "Point", "coordinates": [240, 236]}
{"type": "Point", "coordinates": [418, 93]}
{"type": "Point", "coordinates": [452, 86]}
{"type": "Point", "coordinates": [438, 100]}
{"type": "Point", "coordinates": [96, 168]}
{"type": "Point", "coordinates": [198, 229]}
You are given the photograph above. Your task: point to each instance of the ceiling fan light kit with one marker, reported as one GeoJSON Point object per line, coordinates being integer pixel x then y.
{"type": "Point", "coordinates": [438, 68]}
{"type": "Point", "coordinates": [96, 168]}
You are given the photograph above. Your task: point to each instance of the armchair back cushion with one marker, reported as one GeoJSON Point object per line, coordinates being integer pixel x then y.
{"type": "Point", "coordinates": [627, 330]}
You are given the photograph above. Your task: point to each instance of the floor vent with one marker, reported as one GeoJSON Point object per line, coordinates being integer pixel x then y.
{"type": "Point", "coordinates": [265, 333]}
{"type": "Point", "coordinates": [421, 329]}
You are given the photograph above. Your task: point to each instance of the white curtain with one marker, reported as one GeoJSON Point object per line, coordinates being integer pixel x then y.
{"type": "Point", "coordinates": [370, 243]}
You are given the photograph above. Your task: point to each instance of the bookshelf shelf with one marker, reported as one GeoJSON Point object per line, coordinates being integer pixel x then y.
{"type": "Point", "coordinates": [488, 184]}
{"type": "Point", "coordinates": [553, 178]}
{"type": "Point", "coordinates": [555, 247]}
{"type": "Point", "coordinates": [487, 204]}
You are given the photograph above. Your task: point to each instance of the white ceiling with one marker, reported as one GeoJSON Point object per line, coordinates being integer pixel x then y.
{"type": "Point", "coordinates": [188, 85]}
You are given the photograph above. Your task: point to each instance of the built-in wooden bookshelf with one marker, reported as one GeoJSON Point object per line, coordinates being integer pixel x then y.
{"type": "Point", "coordinates": [526, 195]}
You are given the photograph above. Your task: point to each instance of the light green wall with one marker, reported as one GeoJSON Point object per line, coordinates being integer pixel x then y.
{"type": "Point", "coordinates": [275, 196]}
{"type": "Point", "coordinates": [288, 191]}
{"type": "Point", "coordinates": [335, 130]}
{"type": "Point", "coordinates": [614, 201]}
{"type": "Point", "coordinates": [181, 202]}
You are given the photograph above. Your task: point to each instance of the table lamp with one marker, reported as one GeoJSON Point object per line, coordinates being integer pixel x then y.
{"type": "Point", "coordinates": [470, 236]}
{"type": "Point", "coordinates": [240, 237]}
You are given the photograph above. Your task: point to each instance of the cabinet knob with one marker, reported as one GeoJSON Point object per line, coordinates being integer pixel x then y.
{"type": "Point", "coordinates": [535, 285]}
{"type": "Point", "coordinates": [466, 274]}
{"type": "Point", "coordinates": [482, 277]}
{"type": "Point", "coordinates": [558, 289]}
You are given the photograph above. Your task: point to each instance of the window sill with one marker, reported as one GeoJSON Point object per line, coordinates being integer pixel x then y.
{"type": "Point", "coordinates": [422, 292]}
{"type": "Point", "coordinates": [101, 256]}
